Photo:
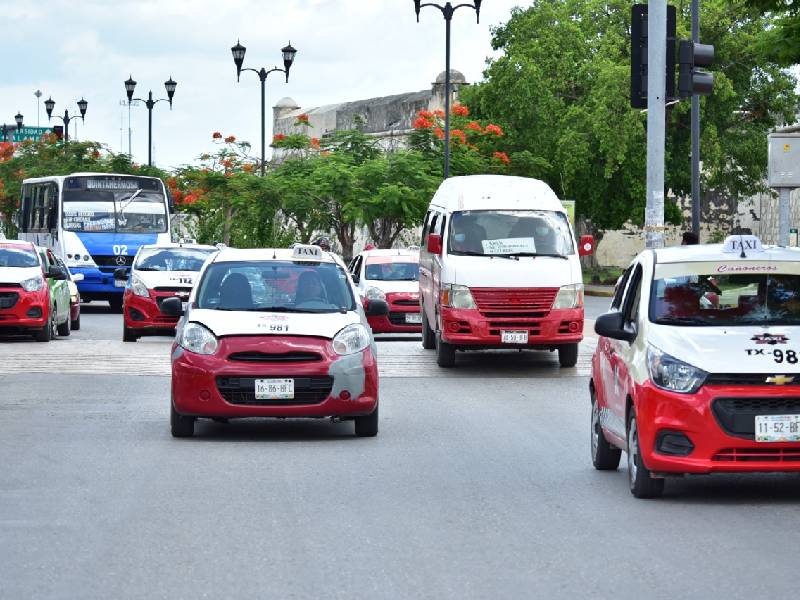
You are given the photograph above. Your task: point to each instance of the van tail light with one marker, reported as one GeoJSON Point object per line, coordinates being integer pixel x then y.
{"type": "Point", "coordinates": [435, 244]}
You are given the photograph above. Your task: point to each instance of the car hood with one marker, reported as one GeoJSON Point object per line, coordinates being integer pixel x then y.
{"type": "Point", "coordinates": [223, 323]}
{"type": "Point", "coordinates": [18, 274]}
{"type": "Point", "coordinates": [729, 349]}
{"type": "Point", "coordinates": [487, 272]}
{"type": "Point", "coordinates": [388, 287]}
{"type": "Point", "coordinates": [171, 279]}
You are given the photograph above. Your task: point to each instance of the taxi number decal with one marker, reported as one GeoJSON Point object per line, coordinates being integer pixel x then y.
{"type": "Point", "coordinates": [779, 356]}
{"type": "Point", "coordinates": [186, 280]}
{"type": "Point", "coordinates": [275, 327]}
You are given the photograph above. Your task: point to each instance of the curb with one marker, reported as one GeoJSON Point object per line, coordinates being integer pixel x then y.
{"type": "Point", "coordinates": [601, 292]}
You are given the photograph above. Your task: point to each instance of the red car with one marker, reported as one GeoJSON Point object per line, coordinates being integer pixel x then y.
{"type": "Point", "coordinates": [158, 272]}
{"type": "Point", "coordinates": [391, 276]}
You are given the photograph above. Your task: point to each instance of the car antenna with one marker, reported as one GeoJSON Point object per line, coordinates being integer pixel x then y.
{"type": "Point", "coordinates": [741, 241]}
{"type": "Point", "coordinates": [274, 254]}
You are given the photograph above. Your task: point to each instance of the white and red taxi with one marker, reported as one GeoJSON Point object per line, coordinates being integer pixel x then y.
{"type": "Point", "coordinates": [391, 276]}
{"type": "Point", "coordinates": [158, 272]}
{"type": "Point", "coordinates": [274, 333]}
{"type": "Point", "coordinates": [697, 369]}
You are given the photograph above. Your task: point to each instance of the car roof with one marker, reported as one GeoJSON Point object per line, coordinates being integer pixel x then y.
{"type": "Point", "coordinates": [391, 252]}
{"type": "Point", "coordinates": [267, 254]}
{"type": "Point", "coordinates": [495, 192]}
{"type": "Point", "coordinates": [17, 244]}
{"type": "Point", "coordinates": [714, 252]}
{"type": "Point", "coordinates": [176, 245]}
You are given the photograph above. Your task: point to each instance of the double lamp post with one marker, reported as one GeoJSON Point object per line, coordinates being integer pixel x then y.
{"type": "Point", "coordinates": [130, 86]}
{"type": "Point", "coordinates": [5, 128]}
{"type": "Point", "coordinates": [288, 53]}
{"type": "Point", "coordinates": [50, 104]}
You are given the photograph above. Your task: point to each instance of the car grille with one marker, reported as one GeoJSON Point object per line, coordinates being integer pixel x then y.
{"type": "Point", "coordinates": [737, 416]}
{"type": "Point", "coordinates": [242, 391]}
{"type": "Point", "coordinates": [174, 290]}
{"type": "Point", "coordinates": [102, 260]}
{"type": "Point", "coordinates": [405, 302]}
{"type": "Point", "coordinates": [773, 455]}
{"type": "Point", "coordinates": [8, 299]}
{"type": "Point", "coordinates": [284, 357]}
{"type": "Point", "coordinates": [514, 302]}
{"type": "Point", "coordinates": [746, 378]}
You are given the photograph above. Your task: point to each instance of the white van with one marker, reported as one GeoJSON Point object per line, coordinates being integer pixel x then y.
{"type": "Point", "coordinates": [499, 268]}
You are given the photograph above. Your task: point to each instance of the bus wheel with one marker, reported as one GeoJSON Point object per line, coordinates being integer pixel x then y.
{"type": "Point", "coordinates": [115, 304]}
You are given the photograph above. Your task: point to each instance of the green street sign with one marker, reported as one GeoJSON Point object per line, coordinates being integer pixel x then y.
{"type": "Point", "coordinates": [26, 133]}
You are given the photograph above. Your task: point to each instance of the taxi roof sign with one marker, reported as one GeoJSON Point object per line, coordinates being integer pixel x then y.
{"type": "Point", "coordinates": [742, 244]}
{"type": "Point", "coordinates": [307, 251]}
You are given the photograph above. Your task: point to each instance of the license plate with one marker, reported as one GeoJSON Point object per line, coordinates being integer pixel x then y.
{"type": "Point", "coordinates": [778, 428]}
{"type": "Point", "coordinates": [274, 389]}
{"type": "Point", "coordinates": [514, 337]}
{"type": "Point", "coordinates": [120, 283]}
{"type": "Point", "coordinates": [415, 318]}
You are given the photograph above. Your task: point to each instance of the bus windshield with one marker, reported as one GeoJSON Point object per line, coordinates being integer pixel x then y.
{"type": "Point", "coordinates": [139, 207]}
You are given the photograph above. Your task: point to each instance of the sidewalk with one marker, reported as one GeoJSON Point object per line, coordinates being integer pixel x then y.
{"type": "Point", "coordinates": [605, 291]}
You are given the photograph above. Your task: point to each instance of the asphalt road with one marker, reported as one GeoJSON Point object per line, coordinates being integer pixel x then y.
{"type": "Point", "coordinates": [479, 485]}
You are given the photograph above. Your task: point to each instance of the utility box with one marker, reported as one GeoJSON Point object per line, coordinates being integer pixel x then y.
{"type": "Point", "coordinates": [784, 160]}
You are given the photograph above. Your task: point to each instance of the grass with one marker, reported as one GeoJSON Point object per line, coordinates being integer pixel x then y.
{"type": "Point", "coordinates": [602, 275]}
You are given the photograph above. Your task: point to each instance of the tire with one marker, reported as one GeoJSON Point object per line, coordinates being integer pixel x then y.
{"type": "Point", "coordinates": [128, 335]}
{"type": "Point", "coordinates": [445, 353]}
{"type": "Point", "coordinates": [367, 426]}
{"type": "Point", "coordinates": [568, 355]}
{"type": "Point", "coordinates": [605, 457]}
{"type": "Point", "coordinates": [76, 324]}
{"type": "Point", "coordinates": [428, 337]}
{"type": "Point", "coordinates": [115, 304]}
{"type": "Point", "coordinates": [48, 332]}
{"type": "Point", "coordinates": [65, 328]}
{"type": "Point", "coordinates": [181, 426]}
{"type": "Point", "coordinates": [642, 483]}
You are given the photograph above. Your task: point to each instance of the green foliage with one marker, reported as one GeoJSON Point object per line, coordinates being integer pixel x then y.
{"type": "Point", "coordinates": [781, 43]}
{"type": "Point", "coordinates": [561, 88]}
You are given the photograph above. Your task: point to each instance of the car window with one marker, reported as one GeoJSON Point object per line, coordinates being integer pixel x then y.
{"type": "Point", "coordinates": [633, 295]}
{"type": "Point", "coordinates": [619, 291]}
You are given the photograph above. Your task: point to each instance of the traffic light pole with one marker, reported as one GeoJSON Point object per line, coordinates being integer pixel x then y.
{"type": "Point", "coordinates": [656, 75]}
{"type": "Point", "coordinates": [696, 130]}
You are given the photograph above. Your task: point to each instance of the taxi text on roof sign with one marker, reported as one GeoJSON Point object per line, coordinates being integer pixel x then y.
{"type": "Point", "coordinates": [742, 243]}
{"type": "Point", "coordinates": [308, 251]}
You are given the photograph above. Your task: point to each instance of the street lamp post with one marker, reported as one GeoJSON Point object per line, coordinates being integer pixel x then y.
{"type": "Point", "coordinates": [447, 12]}
{"type": "Point", "coordinates": [38, 94]}
{"type": "Point", "coordinates": [170, 86]}
{"type": "Point", "coordinates": [50, 104]}
{"type": "Point", "coordinates": [288, 53]}
{"type": "Point", "coordinates": [6, 128]}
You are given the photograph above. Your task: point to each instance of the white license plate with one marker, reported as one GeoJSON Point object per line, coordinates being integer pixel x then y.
{"type": "Point", "coordinates": [415, 318]}
{"type": "Point", "coordinates": [274, 389]}
{"type": "Point", "coordinates": [120, 283]}
{"type": "Point", "coordinates": [514, 337]}
{"type": "Point", "coordinates": [778, 428]}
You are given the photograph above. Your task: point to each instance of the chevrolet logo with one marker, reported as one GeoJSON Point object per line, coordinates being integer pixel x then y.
{"type": "Point", "coordinates": [780, 379]}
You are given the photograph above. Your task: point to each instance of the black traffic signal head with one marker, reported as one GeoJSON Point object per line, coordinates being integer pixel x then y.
{"type": "Point", "coordinates": [639, 54]}
{"type": "Point", "coordinates": [693, 81]}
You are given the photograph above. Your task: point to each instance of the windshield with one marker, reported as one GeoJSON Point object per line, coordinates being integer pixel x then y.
{"type": "Point", "coordinates": [123, 211]}
{"type": "Point", "coordinates": [18, 257]}
{"type": "Point", "coordinates": [509, 233]}
{"type": "Point", "coordinates": [275, 286]}
{"type": "Point", "coordinates": [392, 268]}
{"type": "Point", "coordinates": [719, 299]}
{"type": "Point", "coordinates": [172, 259]}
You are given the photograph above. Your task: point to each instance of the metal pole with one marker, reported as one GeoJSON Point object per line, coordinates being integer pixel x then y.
{"type": "Point", "coordinates": [130, 152]}
{"type": "Point", "coordinates": [656, 77]}
{"type": "Point", "coordinates": [447, 19]}
{"type": "Point", "coordinates": [66, 120]}
{"type": "Point", "coordinates": [263, 124]}
{"type": "Point", "coordinates": [150, 130]}
{"type": "Point", "coordinates": [696, 130]}
{"type": "Point", "coordinates": [783, 216]}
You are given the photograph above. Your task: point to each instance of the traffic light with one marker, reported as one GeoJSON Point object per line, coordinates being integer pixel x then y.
{"type": "Point", "coordinates": [639, 54]}
{"type": "Point", "coordinates": [691, 80]}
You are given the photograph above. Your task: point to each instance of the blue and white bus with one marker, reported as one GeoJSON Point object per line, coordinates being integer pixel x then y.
{"type": "Point", "coordinates": [95, 222]}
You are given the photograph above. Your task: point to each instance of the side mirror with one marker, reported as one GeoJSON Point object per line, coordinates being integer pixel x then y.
{"type": "Point", "coordinates": [377, 308]}
{"type": "Point", "coordinates": [170, 202]}
{"type": "Point", "coordinates": [355, 277]}
{"type": "Point", "coordinates": [586, 245]}
{"type": "Point", "coordinates": [57, 273]}
{"type": "Point", "coordinates": [77, 277]}
{"type": "Point", "coordinates": [172, 307]}
{"type": "Point", "coordinates": [121, 274]}
{"type": "Point", "coordinates": [435, 244]}
{"type": "Point", "coordinates": [612, 325]}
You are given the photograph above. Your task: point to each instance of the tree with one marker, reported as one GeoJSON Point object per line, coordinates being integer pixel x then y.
{"type": "Point", "coordinates": [781, 43]}
{"type": "Point", "coordinates": [561, 89]}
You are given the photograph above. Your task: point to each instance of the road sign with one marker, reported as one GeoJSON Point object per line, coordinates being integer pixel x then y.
{"type": "Point", "coordinates": [27, 133]}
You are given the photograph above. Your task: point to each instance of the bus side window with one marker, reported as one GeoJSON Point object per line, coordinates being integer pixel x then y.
{"type": "Point", "coordinates": [25, 208]}
{"type": "Point", "coordinates": [51, 193]}
{"type": "Point", "coordinates": [425, 229]}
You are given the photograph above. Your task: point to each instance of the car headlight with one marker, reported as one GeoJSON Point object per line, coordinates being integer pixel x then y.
{"type": "Point", "coordinates": [138, 287]}
{"type": "Point", "coordinates": [671, 374]}
{"type": "Point", "coordinates": [569, 296]}
{"type": "Point", "coordinates": [198, 339]}
{"type": "Point", "coordinates": [373, 293]}
{"type": "Point", "coordinates": [457, 296]}
{"type": "Point", "coordinates": [34, 284]}
{"type": "Point", "coordinates": [353, 338]}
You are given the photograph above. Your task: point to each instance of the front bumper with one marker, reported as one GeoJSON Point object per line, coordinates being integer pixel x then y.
{"type": "Point", "coordinates": [470, 328]}
{"type": "Point", "coordinates": [97, 283]}
{"type": "Point", "coordinates": [326, 386]}
{"type": "Point", "coordinates": [145, 314]}
{"type": "Point", "coordinates": [719, 444]}
{"type": "Point", "coordinates": [24, 310]}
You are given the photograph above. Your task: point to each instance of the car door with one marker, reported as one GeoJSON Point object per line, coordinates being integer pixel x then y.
{"type": "Point", "coordinates": [425, 266]}
{"type": "Point", "coordinates": [59, 289]}
{"type": "Point", "coordinates": [605, 351]}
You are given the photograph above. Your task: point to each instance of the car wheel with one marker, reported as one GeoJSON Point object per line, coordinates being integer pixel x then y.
{"type": "Point", "coordinates": [568, 355]}
{"type": "Point", "coordinates": [605, 457]}
{"type": "Point", "coordinates": [642, 483]}
{"type": "Point", "coordinates": [180, 425]}
{"type": "Point", "coordinates": [65, 328]}
{"type": "Point", "coordinates": [48, 332]}
{"type": "Point", "coordinates": [445, 353]}
{"type": "Point", "coordinates": [115, 304]}
{"type": "Point", "coordinates": [428, 337]}
{"type": "Point", "coordinates": [76, 324]}
{"type": "Point", "coordinates": [367, 426]}
{"type": "Point", "coordinates": [128, 335]}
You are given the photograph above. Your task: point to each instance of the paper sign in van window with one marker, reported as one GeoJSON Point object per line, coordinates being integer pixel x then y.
{"type": "Point", "coordinates": [509, 246]}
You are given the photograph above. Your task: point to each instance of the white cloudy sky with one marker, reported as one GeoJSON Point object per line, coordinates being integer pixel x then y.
{"type": "Point", "coordinates": [347, 50]}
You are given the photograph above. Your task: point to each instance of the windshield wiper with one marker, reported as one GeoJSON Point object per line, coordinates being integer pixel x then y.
{"type": "Point", "coordinates": [681, 321]}
{"type": "Point", "coordinates": [534, 254]}
{"type": "Point", "coordinates": [147, 269]}
{"type": "Point", "coordinates": [129, 200]}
